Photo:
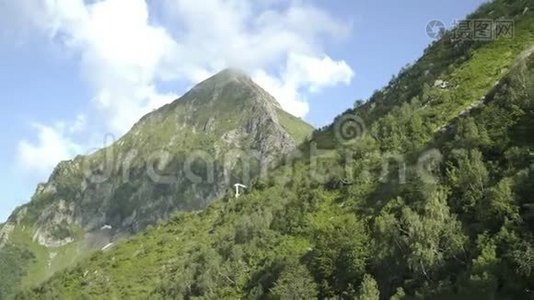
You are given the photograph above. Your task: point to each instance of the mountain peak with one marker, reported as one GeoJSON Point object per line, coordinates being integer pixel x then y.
{"type": "Point", "coordinates": [231, 87]}
{"type": "Point", "coordinates": [226, 76]}
{"type": "Point", "coordinates": [232, 73]}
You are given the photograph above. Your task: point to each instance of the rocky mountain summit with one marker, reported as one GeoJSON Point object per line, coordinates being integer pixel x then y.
{"type": "Point", "coordinates": [179, 157]}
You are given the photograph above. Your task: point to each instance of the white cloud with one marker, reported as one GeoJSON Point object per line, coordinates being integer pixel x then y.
{"type": "Point", "coordinates": [79, 124]}
{"type": "Point", "coordinates": [303, 72]}
{"type": "Point", "coordinates": [316, 73]}
{"type": "Point", "coordinates": [212, 34]}
{"type": "Point", "coordinates": [280, 89]}
{"type": "Point", "coordinates": [126, 48]}
{"type": "Point", "coordinates": [120, 55]}
{"type": "Point", "coordinates": [52, 146]}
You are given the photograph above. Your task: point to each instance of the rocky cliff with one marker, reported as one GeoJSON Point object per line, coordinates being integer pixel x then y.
{"type": "Point", "coordinates": [182, 156]}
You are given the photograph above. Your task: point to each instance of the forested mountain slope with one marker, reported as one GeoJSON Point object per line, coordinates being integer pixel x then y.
{"type": "Point", "coordinates": [148, 174]}
{"type": "Point", "coordinates": [425, 191]}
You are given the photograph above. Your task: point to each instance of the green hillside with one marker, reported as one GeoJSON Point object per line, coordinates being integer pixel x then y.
{"type": "Point", "coordinates": [146, 175]}
{"type": "Point", "coordinates": [425, 191]}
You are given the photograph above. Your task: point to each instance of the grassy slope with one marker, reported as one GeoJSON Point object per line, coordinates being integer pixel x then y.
{"type": "Point", "coordinates": [233, 243]}
{"type": "Point", "coordinates": [134, 268]}
{"type": "Point", "coordinates": [296, 127]}
{"type": "Point", "coordinates": [35, 263]}
{"type": "Point", "coordinates": [171, 248]}
{"type": "Point", "coordinates": [159, 128]}
{"type": "Point", "coordinates": [470, 68]}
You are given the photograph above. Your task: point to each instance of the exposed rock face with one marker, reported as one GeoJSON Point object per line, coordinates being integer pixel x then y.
{"type": "Point", "coordinates": [5, 230]}
{"type": "Point", "coordinates": [54, 223]}
{"type": "Point", "coordinates": [179, 157]}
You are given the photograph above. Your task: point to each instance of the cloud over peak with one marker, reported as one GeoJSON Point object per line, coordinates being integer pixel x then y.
{"type": "Point", "coordinates": [127, 48]}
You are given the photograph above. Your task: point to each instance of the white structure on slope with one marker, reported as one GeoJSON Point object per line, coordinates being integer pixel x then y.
{"type": "Point", "coordinates": [105, 227]}
{"type": "Point", "coordinates": [237, 187]}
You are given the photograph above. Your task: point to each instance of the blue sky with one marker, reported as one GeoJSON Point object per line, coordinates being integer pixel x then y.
{"type": "Point", "coordinates": [72, 71]}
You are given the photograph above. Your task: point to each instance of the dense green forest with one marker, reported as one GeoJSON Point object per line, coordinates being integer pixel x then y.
{"type": "Point", "coordinates": [421, 192]}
